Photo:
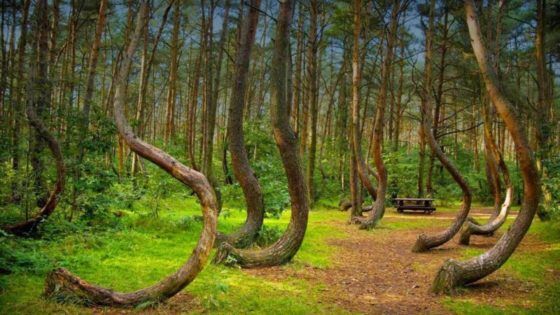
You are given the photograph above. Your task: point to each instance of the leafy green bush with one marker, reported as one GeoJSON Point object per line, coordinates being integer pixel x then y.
{"type": "Point", "coordinates": [268, 235]}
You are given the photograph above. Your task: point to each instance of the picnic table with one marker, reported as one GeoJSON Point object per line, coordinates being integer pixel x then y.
{"type": "Point", "coordinates": [415, 204]}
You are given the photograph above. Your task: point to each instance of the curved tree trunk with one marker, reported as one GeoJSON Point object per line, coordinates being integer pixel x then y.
{"type": "Point", "coordinates": [30, 226]}
{"type": "Point", "coordinates": [39, 94]}
{"type": "Point", "coordinates": [454, 273]}
{"type": "Point", "coordinates": [64, 286]}
{"type": "Point", "coordinates": [241, 168]}
{"type": "Point", "coordinates": [377, 141]}
{"type": "Point", "coordinates": [287, 246]}
{"type": "Point", "coordinates": [361, 167]}
{"type": "Point", "coordinates": [499, 217]}
{"type": "Point", "coordinates": [425, 242]}
{"type": "Point", "coordinates": [492, 226]}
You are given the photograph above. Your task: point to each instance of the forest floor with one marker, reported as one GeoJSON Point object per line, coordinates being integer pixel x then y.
{"type": "Point", "coordinates": [339, 268]}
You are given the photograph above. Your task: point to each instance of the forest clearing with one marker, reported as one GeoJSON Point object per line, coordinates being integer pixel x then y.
{"type": "Point", "coordinates": [279, 157]}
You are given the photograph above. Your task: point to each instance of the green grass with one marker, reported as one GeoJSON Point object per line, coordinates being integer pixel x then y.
{"type": "Point", "coordinates": [143, 249]}
{"type": "Point", "coordinates": [534, 266]}
{"type": "Point", "coordinates": [139, 249]}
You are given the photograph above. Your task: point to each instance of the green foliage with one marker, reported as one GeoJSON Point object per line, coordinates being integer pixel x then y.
{"type": "Point", "coordinates": [267, 166]}
{"type": "Point", "coordinates": [268, 235]}
{"type": "Point", "coordinates": [551, 182]}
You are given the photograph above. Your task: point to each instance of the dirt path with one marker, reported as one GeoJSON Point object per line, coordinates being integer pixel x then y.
{"type": "Point", "coordinates": [376, 273]}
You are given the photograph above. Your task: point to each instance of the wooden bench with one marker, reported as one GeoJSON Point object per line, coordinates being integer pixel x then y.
{"type": "Point", "coordinates": [414, 204]}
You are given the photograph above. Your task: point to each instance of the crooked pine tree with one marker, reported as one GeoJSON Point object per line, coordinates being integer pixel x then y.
{"type": "Point", "coordinates": [287, 246]}
{"type": "Point", "coordinates": [458, 273]}
{"type": "Point", "coordinates": [62, 285]}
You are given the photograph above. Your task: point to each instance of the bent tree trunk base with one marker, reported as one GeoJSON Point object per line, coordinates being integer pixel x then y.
{"type": "Point", "coordinates": [453, 274]}
{"type": "Point", "coordinates": [448, 278]}
{"type": "Point", "coordinates": [242, 170]}
{"type": "Point", "coordinates": [287, 246]}
{"type": "Point", "coordinates": [61, 285]}
{"type": "Point", "coordinates": [424, 242]}
{"type": "Point", "coordinates": [489, 228]}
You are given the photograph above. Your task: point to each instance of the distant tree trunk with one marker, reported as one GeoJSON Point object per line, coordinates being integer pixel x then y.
{"type": "Point", "coordinates": [18, 101]}
{"type": "Point", "coordinates": [377, 139]}
{"type": "Point", "coordinates": [62, 285]}
{"type": "Point", "coordinates": [39, 93]}
{"type": "Point", "coordinates": [425, 242]}
{"type": "Point", "coordinates": [173, 67]}
{"type": "Point", "coordinates": [499, 218]}
{"type": "Point", "coordinates": [312, 95]}
{"type": "Point", "coordinates": [492, 174]}
{"type": "Point", "coordinates": [454, 273]}
{"type": "Point", "coordinates": [399, 109]}
{"type": "Point", "coordinates": [296, 106]}
{"type": "Point", "coordinates": [92, 67]}
{"type": "Point", "coordinates": [147, 62]}
{"type": "Point", "coordinates": [241, 168]}
{"type": "Point", "coordinates": [421, 156]}
{"type": "Point", "coordinates": [439, 97]}
{"type": "Point", "coordinates": [358, 163]}
{"type": "Point", "coordinates": [208, 113]}
{"type": "Point", "coordinates": [543, 128]}
{"type": "Point", "coordinates": [83, 126]}
{"type": "Point", "coordinates": [193, 106]}
{"type": "Point", "coordinates": [287, 246]}
{"type": "Point", "coordinates": [41, 100]}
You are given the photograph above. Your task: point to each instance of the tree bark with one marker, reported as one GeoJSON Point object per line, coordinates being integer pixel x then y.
{"type": "Point", "coordinates": [425, 242]}
{"type": "Point", "coordinates": [41, 89]}
{"type": "Point", "coordinates": [496, 221]}
{"type": "Point", "coordinates": [18, 101]}
{"type": "Point", "coordinates": [358, 163]}
{"type": "Point", "coordinates": [287, 246]}
{"type": "Point", "coordinates": [439, 97]}
{"type": "Point", "coordinates": [147, 62]}
{"type": "Point", "coordinates": [312, 95]}
{"type": "Point", "coordinates": [61, 285]}
{"type": "Point", "coordinates": [377, 140]}
{"type": "Point", "coordinates": [240, 161]}
{"type": "Point", "coordinates": [173, 67]}
{"type": "Point", "coordinates": [545, 99]}
{"type": "Point", "coordinates": [454, 273]}
{"type": "Point", "coordinates": [39, 93]}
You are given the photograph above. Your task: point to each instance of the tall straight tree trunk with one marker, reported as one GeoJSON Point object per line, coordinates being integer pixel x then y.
{"type": "Point", "coordinates": [240, 161]}
{"type": "Point", "coordinates": [18, 100]}
{"type": "Point", "coordinates": [439, 97]}
{"type": "Point", "coordinates": [193, 107]}
{"type": "Point", "coordinates": [399, 109]}
{"type": "Point", "coordinates": [425, 242]}
{"type": "Point", "coordinates": [208, 138]}
{"type": "Point", "coordinates": [83, 126]}
{"type": "Point", "coordinates": [492, 175]}
{"type": "Point", "coordinates": [286, 247]}
{"type": "Point", "coordinates": [62, 285]}
{"type": "Point", "coordinates": [543, 130]}
{"type": "Point", "coordinates": [173, 67]}
{"type": "Point", "coordinates": [147, 62]}
{"type": "Point", "coordinates": [296, 106]}
{"type": "Point", "coordinates": [377, 140]}
{"type": "Point", "coordinates": [454, 273]}
{"type": "Point", "coordinates": [312, 95]}
{"type": "Point", "coordinates": [42, 100]}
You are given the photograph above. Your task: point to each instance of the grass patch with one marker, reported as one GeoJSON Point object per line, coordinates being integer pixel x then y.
{"type": "Point", "coordinates": [537, 265]}
{"type": "Point", "coordinates": [144, 247]}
